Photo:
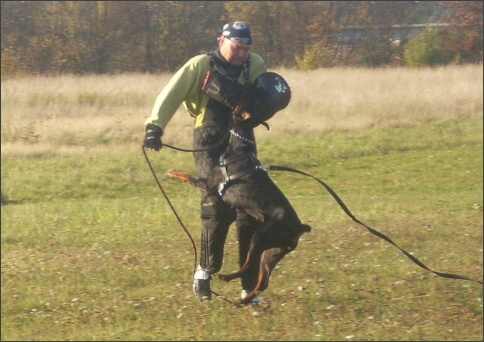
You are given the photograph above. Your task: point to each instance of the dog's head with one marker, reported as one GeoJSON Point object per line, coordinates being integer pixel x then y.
{"type": "Point", "coordinates": [269, 94]}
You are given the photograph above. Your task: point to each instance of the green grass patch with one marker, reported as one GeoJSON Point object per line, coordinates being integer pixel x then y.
{"type": "Point", "coordinates": [92, 251]}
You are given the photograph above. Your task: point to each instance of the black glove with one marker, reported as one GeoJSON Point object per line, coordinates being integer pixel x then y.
{"type": "Point", "coordinates": [153, 137]}
{"type": "Point", "coordinates": [223, 89]}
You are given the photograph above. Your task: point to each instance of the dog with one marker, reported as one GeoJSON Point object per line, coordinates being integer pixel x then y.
{"type": "Point", "coordinates": [241, 181]}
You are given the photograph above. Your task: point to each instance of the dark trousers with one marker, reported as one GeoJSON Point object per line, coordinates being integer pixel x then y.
{"type": "Point", "coordinates": [216, 215]}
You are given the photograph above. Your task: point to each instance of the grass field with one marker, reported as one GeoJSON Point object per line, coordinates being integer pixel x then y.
{"type": "Point", "coordinates": [92, 251]}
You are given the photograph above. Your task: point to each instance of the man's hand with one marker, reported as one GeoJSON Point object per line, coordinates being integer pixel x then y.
{"type": "Point", "coordinates": [153, 137]}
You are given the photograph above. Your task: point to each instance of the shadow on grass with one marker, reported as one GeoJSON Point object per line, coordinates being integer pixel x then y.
{"type": "Point", "coordinates": [5, 200]}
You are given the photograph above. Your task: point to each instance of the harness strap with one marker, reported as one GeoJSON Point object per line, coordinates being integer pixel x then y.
{"type": "Point", "coordinates": [223, 185]}
{"type": "Point", "coordinates": [246, 70]}
{"type": "Point", "coordinates": [224, 162]}
{"type": "Point", "coordinates": [227, 161]}
{"type": "Point", "coordinates": [215, 63]}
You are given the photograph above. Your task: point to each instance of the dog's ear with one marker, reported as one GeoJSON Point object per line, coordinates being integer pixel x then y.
{"type": "Point", "coordinates": [240, 114]}
{"type": "Point", "coordinates": [245, 115]}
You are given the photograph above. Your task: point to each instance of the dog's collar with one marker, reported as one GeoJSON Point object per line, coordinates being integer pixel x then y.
{"type": "Point", "coordinates": [238, 135]}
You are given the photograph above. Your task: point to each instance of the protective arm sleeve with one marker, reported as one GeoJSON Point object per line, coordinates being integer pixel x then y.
{"type": "Point", "coordinates": [223, 89]}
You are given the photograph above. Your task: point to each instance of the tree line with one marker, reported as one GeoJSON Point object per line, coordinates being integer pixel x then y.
{"type": "Point", "coordinates": [79, 37]}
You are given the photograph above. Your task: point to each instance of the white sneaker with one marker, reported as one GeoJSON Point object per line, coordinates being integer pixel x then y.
{"type": "Point", "coordinates": [256, 299]}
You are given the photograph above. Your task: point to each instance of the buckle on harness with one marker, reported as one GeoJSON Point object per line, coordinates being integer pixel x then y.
{"type": "Point", "coordinates": [221, 188]}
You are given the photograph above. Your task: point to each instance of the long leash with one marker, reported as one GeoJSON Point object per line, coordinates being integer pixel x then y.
{"type": "Point", "coordinates": [328, 188]}
{"type": "Point", "coordinates": [235, 304]}
{"type": "Point", "coordinates": [373, 231]}
{"type": "Point", "coordinates": [199, 150]}
{"type": "Point", "coordinates": [172, 208]}
{"type": "Point", "coordinates": [166, 196]}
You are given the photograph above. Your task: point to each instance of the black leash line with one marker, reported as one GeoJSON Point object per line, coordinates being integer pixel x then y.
{"type": "Point", "coordinates": [172, 208]}
{"type": "Point", "coordinates": [200, 150]}
{"type": "Point", "coordinates": [178, 217]}
{"type": "Point", "coordinates": [331, 191]}
{"type": "Point", "coordinates": [373, 231]}
{"type": "Point", "coordinates": [166, 196]}
{"type": "Point", "coordinates": [235, 304]}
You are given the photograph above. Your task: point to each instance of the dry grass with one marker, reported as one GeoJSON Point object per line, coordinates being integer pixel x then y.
{"type": "Point", "coordinates": [362, 98]}
{"type": "Point", "coordinates": [71, 115]}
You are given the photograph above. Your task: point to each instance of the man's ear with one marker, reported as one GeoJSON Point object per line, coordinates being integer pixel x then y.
{"type": "Point", "coordinates": [220, 40]}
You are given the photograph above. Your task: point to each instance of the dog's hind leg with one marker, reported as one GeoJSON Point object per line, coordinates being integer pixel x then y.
{"type": "Point", "coordinates": [237, 274]}
{"type": "Point", "coordinates": [253, 255]}
{"type": "Point", "coordinates": [268, 261]}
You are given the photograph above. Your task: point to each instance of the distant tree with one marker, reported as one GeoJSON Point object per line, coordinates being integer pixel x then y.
{"type": "Point", "coordinates": [374, 48]}
{"type": "Point", "coordinates": [186, 28]}
{"type": "Point", "coordinates": [321, 44]}
{"type": "Point", "coordinates": [15, 30]}
{"type": "Point", "coordinates": [427, 49]}
{"type": "Point", "coordinates": [42, 35]}
{"type": "Point", "coordinates": [465, 30]}
{"type": "Point", "coordinates": [55, 37]}
{"type": "Point", "coordinates": [276, 26]}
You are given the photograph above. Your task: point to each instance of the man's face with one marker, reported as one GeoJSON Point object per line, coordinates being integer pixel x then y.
{"type": "Point", "coordinates": [234, 53]}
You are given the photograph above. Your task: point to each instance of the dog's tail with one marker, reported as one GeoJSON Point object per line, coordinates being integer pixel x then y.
{"type": "Point", "coordinates": [186, 178]}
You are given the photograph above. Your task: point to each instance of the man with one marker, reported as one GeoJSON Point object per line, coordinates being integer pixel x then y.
{"type": "Point", "coordinates": [211, 86]}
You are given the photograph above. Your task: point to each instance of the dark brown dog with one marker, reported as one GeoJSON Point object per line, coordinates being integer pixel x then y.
{"type": "Point", "coordinates": [241, 182]}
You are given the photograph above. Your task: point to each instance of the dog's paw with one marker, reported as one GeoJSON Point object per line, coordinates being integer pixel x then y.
{"type": "Point", "coordinates": [172, 173]}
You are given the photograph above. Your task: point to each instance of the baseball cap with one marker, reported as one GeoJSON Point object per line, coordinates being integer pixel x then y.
{"type": "Point", "coordinates": [237, 31]}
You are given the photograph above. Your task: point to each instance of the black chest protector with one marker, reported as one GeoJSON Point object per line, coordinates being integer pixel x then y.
{"type": "Point", "coordinates": [217, 114]}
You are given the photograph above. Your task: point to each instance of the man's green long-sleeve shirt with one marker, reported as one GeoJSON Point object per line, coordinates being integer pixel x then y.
{"type": "Point", "coordinates": [185, 87]}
